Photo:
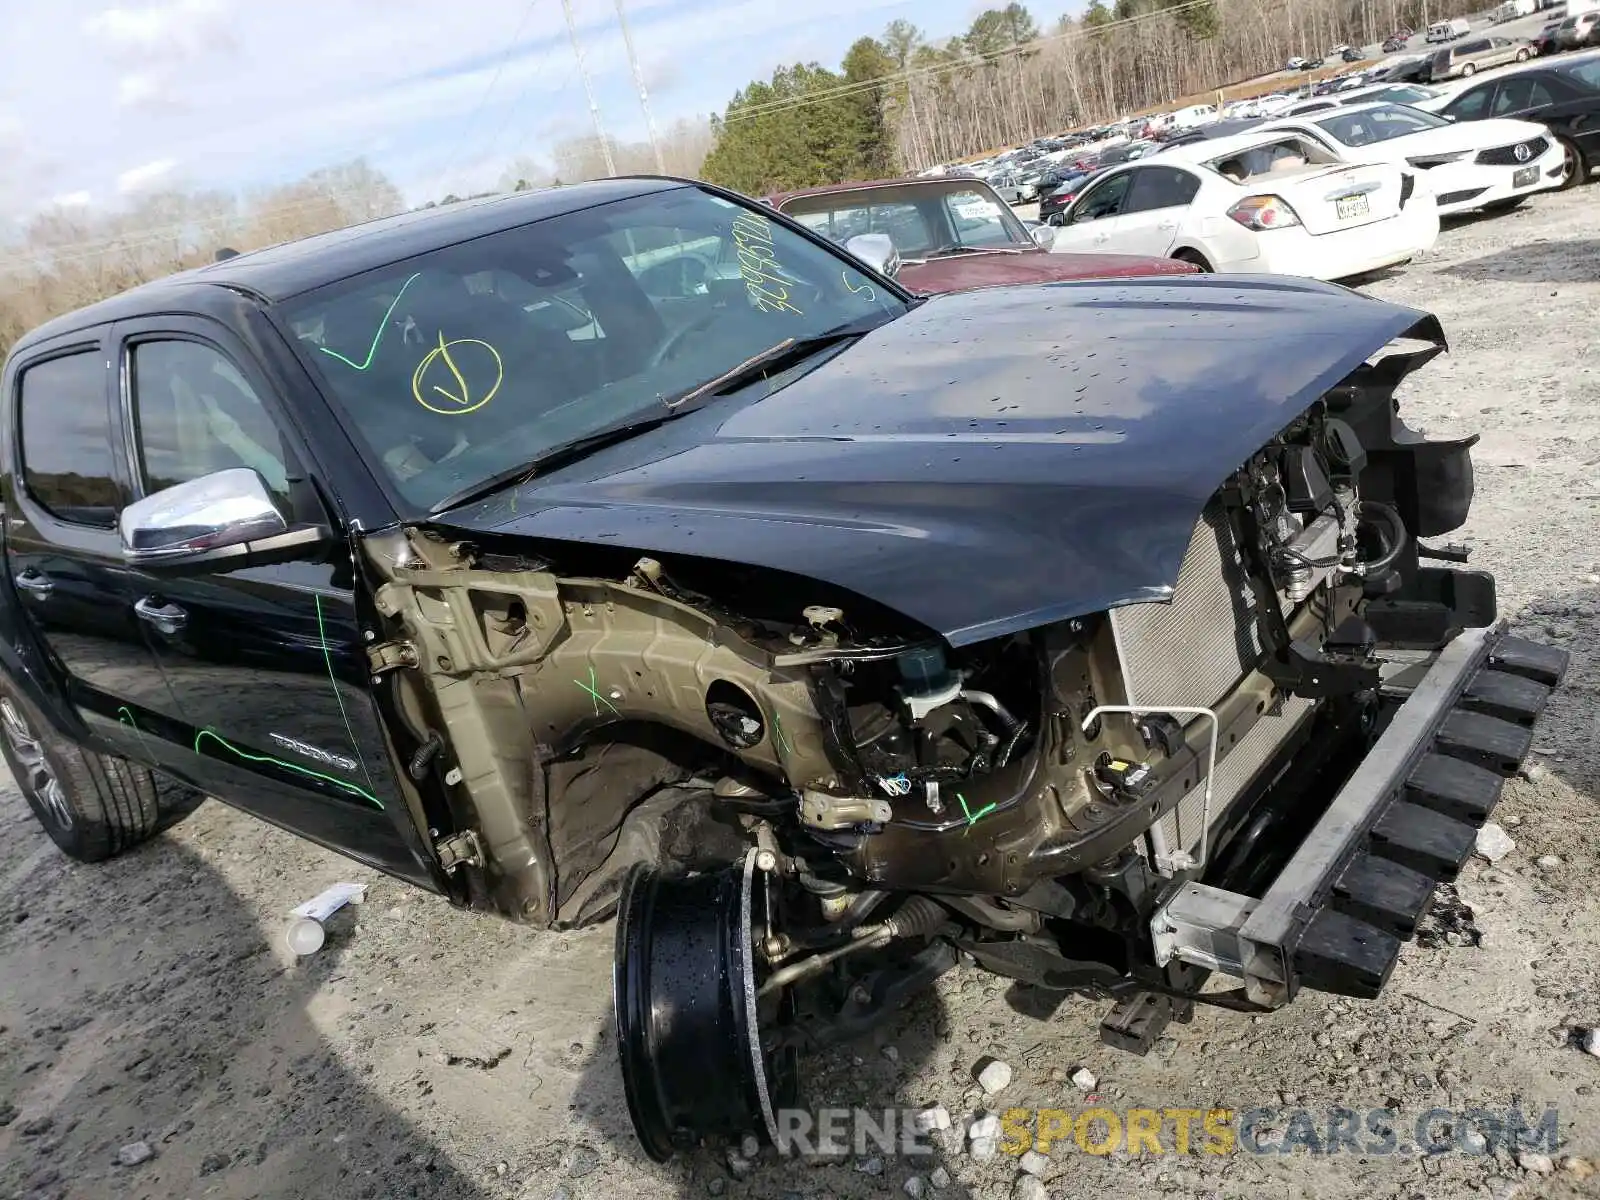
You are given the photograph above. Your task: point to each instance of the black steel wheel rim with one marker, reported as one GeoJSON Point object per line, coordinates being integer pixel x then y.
{"type": "Point", "coordinates": [692, 1062]}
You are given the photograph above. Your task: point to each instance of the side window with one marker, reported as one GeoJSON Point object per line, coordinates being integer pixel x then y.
{"type": "Point", "coordinates": [976, 218]}
{"type": "Point", "coordinates": [1513, 94]}
{"type": "Point", "coordinates": [1471, 105]}
{"type": "Point", "coordinates": [1104, 199]}
{"type": "Point", "coordinates": [65, 428]}
{"type": "Point", "coordinates": [194, 413]}
{"type": "Point", "coordinates": [1520, 93]}
{"type": "Point", "coordinates": [1161, 187]}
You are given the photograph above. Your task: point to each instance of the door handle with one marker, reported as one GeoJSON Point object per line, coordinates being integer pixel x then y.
{"type": "Point", "coordinates": [168, 618]}
{"type": "Point", "coordinates": [34, 581]}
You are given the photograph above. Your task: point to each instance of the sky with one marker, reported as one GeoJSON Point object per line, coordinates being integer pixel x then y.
{"type": "Point", "coordinates": [100, 104]}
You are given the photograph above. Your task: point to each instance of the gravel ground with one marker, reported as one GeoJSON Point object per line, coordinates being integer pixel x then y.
{"type": "Point", "coordinates": [428, 1053]}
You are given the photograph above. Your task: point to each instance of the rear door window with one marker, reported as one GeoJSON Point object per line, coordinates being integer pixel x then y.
{"type": "Point", "coordinates": [68, 463]}
{"type": "Point", "coordinates": [1519, 93]}
{"type": "Point", "coordinates": [1161, 187]}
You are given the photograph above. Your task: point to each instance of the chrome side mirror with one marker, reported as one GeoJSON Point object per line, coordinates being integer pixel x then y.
{"type": "Point", "coordinates": [1044, 236]}
{"type": "Point", "coordinates": [216, 516]}
{"type": "Point", "coordinates": [877, 250]}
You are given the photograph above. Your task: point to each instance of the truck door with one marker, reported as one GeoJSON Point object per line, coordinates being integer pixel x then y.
{"type": "Point", "coordinates": [67, 482]}
{"type": "Point", "coordinates": [265, 664]}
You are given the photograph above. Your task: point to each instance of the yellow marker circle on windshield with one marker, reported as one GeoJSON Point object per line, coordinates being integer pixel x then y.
{"type": "Point", "coordinates": [464, 373]}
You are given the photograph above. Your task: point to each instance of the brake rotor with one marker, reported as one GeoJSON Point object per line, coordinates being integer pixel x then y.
{"type": "Point", "coordinates": [684, 988]}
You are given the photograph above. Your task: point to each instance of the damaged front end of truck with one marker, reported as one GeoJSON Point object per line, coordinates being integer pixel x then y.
{"type": "Point", "coordinates": [1243, 723]}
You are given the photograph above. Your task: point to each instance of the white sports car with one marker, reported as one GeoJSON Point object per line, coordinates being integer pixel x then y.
{"type": "Point", "coordinates": [1272, 201]}
{"type": "Point", "coordinates": [1467, 166]}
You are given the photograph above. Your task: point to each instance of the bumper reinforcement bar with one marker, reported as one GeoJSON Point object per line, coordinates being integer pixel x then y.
{"type": "Point", "coordinates": [1404, 822]}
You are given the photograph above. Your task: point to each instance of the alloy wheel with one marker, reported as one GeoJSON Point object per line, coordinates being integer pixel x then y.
{"type": "Point", "coordinates": [40, 776]}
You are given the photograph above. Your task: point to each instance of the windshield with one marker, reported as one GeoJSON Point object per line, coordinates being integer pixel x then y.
{"type": "Point", "coordinates": [924, 221]}
{"type": "Point", "coordinates": [471, 360]}
{"type": "Point", "coordinates": [1379, 124]}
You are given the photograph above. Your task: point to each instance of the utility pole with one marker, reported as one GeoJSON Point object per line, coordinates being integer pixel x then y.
{"type": "Point", "coordinates": [588, 89]}
{"type": "Point", "coordinates": [644, 94]}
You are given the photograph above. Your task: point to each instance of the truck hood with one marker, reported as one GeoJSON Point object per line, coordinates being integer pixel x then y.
{"type": "Point", "coordinates": [991, 461]}
{"type": "Point", "coordinates": [958, 272]}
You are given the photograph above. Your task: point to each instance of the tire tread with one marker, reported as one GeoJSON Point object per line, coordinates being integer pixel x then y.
{"type": "Point", "coordinates": [116, 804]}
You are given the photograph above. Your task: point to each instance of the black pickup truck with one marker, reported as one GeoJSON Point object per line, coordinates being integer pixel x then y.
{"type": "Point", "coordinates": [629, 549]}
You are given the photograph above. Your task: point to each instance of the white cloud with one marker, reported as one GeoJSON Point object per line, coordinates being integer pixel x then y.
{"type": "Point", "coordinates": [72, 200]}
{"type": "Point", "coordinates": [141, 178]}
{"type": "Point", "coordinates": [245, 94]}
{"type": "Point", "coordinates": [179, 28]}
{"type": "Point", "coordinates": [146, 90]}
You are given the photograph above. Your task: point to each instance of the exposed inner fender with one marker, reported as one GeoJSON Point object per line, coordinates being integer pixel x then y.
{"type": "Point", "coordinates": [486, 652]}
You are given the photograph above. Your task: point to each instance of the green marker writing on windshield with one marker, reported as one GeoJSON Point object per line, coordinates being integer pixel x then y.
{"type": "Point", "coordinates": [376, 337]}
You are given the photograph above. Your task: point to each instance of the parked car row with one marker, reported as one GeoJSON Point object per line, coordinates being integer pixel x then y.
{"type": "Point", "coordinates": [951, 234]}
{"type": "Point", "coordinates": [1345, 191]}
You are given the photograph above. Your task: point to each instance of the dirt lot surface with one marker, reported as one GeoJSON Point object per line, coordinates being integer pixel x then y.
{"type": "Point", "coordinates": [432, 1054]}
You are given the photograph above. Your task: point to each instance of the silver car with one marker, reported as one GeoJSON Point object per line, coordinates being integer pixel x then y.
{"type": "Point", "coordinates": [1008, 186]}
{"type": "Point", "coordinates": [1477, 54]}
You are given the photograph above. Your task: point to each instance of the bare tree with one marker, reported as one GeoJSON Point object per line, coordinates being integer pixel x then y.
{"type": "Point", "coordinates": [975, 93]}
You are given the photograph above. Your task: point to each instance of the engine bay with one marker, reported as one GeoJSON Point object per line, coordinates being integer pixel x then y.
{"type": "Point", "coordinates": [849, 802]}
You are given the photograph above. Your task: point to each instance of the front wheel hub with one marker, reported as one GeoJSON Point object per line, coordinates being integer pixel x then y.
{"type": "Point", "coordinates": [38, 776]}
{"type": "Point", "coordinates": [689, 1019]}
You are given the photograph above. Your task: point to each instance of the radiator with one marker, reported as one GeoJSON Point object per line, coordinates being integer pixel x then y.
{"type": "Point", "coordinates": [1190, 652]}
{"type": "Point", "coordinates": [1192, 649]}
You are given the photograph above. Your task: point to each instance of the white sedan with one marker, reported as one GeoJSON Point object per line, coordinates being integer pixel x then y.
{"type": "Point", "coordinates": [1467, 166]}
{"type": "Point", "coordinates": [1264, 201]}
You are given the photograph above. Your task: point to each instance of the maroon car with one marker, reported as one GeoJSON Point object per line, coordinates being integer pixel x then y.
{"type": "Point", "coordinates": [952, 233]}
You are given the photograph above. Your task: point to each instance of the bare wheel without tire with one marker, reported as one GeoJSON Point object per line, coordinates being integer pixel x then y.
{"type": "Point", "coordinates": [93, 806]}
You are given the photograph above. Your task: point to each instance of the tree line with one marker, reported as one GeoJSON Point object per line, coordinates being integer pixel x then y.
{"type": "Point", "coordinates": [903, 101]}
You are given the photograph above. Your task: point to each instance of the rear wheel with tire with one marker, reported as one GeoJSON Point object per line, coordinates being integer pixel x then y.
{"type": "Point", "coordinates": [1195, 257]}
{"type": "Point", "coordinates": [1575, 168]}
{"type": "Point", "coordinates": [1469, 70]}
{"type": "Point", "coordinates": [93, 806]}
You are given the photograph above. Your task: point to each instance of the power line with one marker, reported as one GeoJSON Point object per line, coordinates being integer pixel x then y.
{"type": "Point", "coordinates": [494, 81]}
{"type": "Point", "coordinates": [110, 246]}
{"type": "Point", "coordinates": [588, 89]}
{"type": "Point", "coordinates": [965, 64]}
{"type": "Point", "coordinates": [644, 94]}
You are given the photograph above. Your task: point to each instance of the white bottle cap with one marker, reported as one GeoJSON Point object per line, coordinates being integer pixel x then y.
{"type": "Point", "coordinates": [304, 935]}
